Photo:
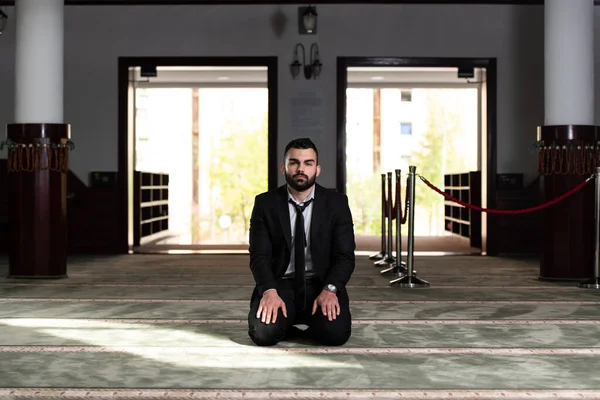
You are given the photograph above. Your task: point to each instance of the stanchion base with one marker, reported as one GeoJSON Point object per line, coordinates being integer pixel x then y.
{"type": "Point", "coordinates": [397, 270]}
{"type": "Point", "coordinates": [388, 261]}
{"type": "Point", "coordinates": [411, 282]}
{"type": "Point", "coordinates": [386, 270]}
{"type": "Point", "coordinates": [593, 283]}
{"type": "Point", "coordinates": [379, 256]}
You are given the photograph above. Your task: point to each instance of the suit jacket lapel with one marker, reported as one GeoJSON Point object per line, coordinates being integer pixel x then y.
{"type": "Point", "coordinates": [318, 213]}
{"type": "Point", "coordinates": [284, 214]}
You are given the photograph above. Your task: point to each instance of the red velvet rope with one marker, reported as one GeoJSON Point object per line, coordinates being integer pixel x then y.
{"type": "Point", "coordinates": [406, 197]}
{"type": "Point", "coordinates": [398, 200]}
{"type": "Point", "coordinates": [523, 211]}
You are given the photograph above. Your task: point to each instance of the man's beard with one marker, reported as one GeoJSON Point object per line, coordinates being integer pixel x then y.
{"type": "Point", "coordinates": [300, 186]}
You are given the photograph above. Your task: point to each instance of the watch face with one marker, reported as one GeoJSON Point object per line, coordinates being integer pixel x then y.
{"type": "Point", "coordinates": [331, 288]}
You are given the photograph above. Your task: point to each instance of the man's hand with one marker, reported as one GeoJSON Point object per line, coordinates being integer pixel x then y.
{"type": "Point", "coordinates": [269, 307]}
{"type": "Point", "coordinates": [329, 305]}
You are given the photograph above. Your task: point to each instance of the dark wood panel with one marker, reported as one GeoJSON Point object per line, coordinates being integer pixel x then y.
{"type": "Point", "coordinates": [92, 217]}
{"type": "Point", "coordinates": [518, 233]}
{"type": "Point", "coordinates": [92, 223]}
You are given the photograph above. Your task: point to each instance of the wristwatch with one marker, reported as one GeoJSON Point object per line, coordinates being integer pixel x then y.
{"type": "Point", "coordinates": [330, 288]}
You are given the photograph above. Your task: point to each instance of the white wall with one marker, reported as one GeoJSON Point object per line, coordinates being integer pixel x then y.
{"type": "Point", "coordinates": [97, 35]}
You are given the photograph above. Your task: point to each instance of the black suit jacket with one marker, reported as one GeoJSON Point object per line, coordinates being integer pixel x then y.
{"type": "Point", "coordinates": [331, 238]}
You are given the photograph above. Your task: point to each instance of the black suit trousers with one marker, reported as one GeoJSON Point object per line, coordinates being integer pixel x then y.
{"type": "Point", "coordinates": [320, 329]}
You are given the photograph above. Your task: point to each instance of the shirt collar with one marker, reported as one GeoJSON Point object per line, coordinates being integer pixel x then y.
{"type": "Point", "coordinates": [309, 197]}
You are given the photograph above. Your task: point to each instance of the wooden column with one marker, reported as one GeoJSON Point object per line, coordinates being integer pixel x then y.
{"type": "Point", "coordinates": [567, 227]}
{"type": "Point", "coordinates": [37, 201]}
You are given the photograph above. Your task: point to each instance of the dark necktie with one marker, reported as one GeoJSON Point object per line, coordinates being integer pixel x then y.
{"type": "Point", "coordinates": [299, 262]}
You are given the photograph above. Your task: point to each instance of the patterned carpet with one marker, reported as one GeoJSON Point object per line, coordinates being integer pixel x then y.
{"type": "Point", "coordinates": [369, 244]}
{"type": "Point", "coordinates": [174, 326]}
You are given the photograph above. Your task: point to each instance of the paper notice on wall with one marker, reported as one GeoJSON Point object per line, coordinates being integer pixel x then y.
{"type": "Point", "coordinates": [308, 114]}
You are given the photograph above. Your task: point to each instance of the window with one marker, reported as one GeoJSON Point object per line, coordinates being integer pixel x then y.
{"type": "Point", "coordinates": [405, 128]}
{"type": "Point", "coordinates": [406, 95]}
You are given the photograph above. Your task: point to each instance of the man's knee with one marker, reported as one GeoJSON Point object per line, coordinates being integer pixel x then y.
{"type": "Point", "coordinates": [336, 332]}
{"type": "Point", "coordinates": [330, 335]}
{"type": "Point", "coordinates": [265, 335]}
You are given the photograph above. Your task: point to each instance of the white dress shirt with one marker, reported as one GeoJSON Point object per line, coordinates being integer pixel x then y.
{"type": "Point", "coordinates": [307, 213]}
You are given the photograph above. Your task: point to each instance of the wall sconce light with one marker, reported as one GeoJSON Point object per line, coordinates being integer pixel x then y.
{"type": "Point", "coordinates": [3, 21]}
{"type": "Point", "coordinates": [312, 70]}
{"type": "Point", "coordinates": [307, 20]}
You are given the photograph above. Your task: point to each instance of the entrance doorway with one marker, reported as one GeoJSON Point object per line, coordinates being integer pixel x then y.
{"type": "Point", "coordinates": [194, 131]}
{"type": "Point", "coordinates": [422, 112]}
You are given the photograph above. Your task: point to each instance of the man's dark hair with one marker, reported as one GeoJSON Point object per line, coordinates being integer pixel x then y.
{"type": "Point", "coordinates": [303, 144]}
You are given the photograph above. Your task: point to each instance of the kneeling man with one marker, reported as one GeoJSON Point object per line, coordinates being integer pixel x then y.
{"type": "Point", "coordinates": [301, 255]}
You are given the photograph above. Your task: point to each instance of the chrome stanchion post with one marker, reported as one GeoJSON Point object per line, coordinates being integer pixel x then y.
{"type": "Point", "coordinates": [389, 257]}
{"type": "Point", "coordinates": [399, 267]}
{"type": "Point", "coordinates": [594, 283]}
{"type": "Point", "coordinates": [382, 253]}
{"type": "Point", "coordinates": [410, 280]}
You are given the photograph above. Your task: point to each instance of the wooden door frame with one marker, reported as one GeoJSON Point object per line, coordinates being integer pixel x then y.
{"type": "Point", "coordinates": [124, 63]}
{"type": "Point", "coordinates": [490, 64]}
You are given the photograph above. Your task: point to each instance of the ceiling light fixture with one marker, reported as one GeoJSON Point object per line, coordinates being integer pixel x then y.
{"type": "Point", "coordinates": [307, 20]}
